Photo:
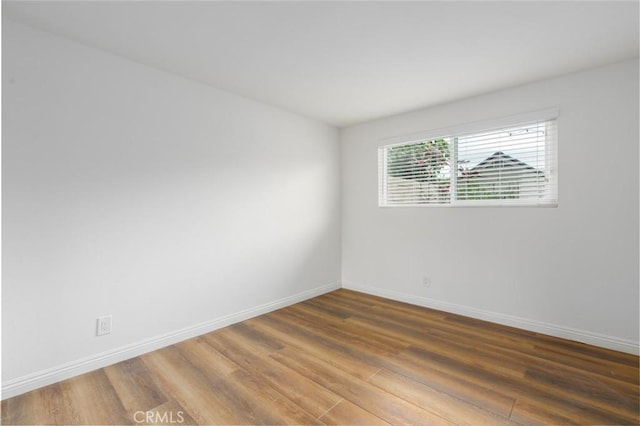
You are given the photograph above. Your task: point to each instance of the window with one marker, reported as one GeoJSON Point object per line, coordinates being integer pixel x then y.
{"type": "Point", "coordinates": [509, 164]}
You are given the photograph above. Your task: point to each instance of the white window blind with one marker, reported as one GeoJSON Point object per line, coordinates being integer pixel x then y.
{"type": "Point", "coordinates": [507, 165]}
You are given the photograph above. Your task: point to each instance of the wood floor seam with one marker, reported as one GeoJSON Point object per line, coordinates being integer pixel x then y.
{"type": "Point", "coordinates": [371, 377]}
{"type": "Point", "coordinates": [330, 408]}
{"type": "Point", "coordinates": [511, 411]}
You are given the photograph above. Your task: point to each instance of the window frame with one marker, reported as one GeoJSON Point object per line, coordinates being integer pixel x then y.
{"type": "Point", "coordinates": [548, 114]}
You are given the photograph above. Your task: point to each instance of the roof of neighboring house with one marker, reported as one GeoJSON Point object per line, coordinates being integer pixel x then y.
{"type": "Point", "coordinates": [505, 160]}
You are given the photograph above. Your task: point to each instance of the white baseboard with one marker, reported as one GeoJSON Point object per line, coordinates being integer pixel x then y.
{"type": "Point", "coordinates": [71, 369]}
{"type": "Point", "coordinates": [609, 342]}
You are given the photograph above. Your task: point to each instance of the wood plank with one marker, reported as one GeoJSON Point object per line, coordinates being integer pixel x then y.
{"type": "Point", "coordinates": [542, 393]}
{"type": "Point", "coordinates": [347, 413]}
{"type": "Point", "coordinates": [618, 404]}
{"type": "Point", "coordinates": [264, 342]}
{"type": "Point", "coordinates": [382, 404]}
{"type": "Point", "coordinates": [361, 342]}
{"type": "Point", "coordinates": [540, 372]}
{"type": "Point", "coordinates": [205, 359]}
{"type": "Point", "coordinates": [207, 401]}
{"type": "Point", "coordinates": [533, 412]}
{"type": "Point", "coordinates": [263, 397]}
{"type": "Point", "coordinates": [417, 323]}
{"type": "Point", "coordinates": [460, 386]}
{"type": "Point", "coordinates": [311, 397]}
{"type": "Point", "coordinates": [94, 400]}
{"type": "Point", "coordinates": [593, 364]}
{"type": "Point", "coordinates": [47, 405]}
{"type": "Point", "coordinates": [538, 357]}
{"type": "Point", "coordinates": [446, 406]}
{"type": "Point", "coordinates": [298, 338]}
{"type": "Point", "coordinates": [134, 386]}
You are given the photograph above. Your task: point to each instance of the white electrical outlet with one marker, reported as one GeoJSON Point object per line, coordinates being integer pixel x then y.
{"type": "Point", "coordinates": [104, 326]}
{"type": "Point", "coordinates": [426, 281]}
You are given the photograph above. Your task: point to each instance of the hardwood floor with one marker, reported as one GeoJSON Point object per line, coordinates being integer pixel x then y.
{"type": "Point", "coordinates": [350, 358]}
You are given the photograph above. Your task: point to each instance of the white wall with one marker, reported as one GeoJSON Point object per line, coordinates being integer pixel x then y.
{"type": "Point", "coordinates": [571, 271]}
{"type": "Point", "coordinates": [131, 192]}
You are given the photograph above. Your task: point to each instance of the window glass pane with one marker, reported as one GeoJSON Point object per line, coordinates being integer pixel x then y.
{"type": "Point", "coordinates": [507, 164]}
{"type": "Point", "coordinates": [418, 173]}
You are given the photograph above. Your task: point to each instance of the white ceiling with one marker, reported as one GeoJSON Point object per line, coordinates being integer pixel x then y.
{"type": "Point", "coordinates": [349, 62]}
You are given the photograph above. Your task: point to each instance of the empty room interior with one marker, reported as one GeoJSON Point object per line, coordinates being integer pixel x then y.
{"type": "Point", "coordinates": [329, 213]}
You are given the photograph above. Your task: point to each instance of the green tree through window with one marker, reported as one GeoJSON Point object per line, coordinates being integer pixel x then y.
{"type": "Point", "coordinates": [424, 163]}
